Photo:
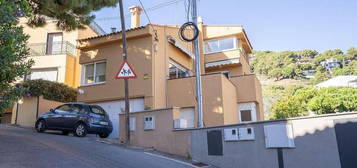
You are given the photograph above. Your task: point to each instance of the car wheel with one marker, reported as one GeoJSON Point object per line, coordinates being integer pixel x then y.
{"type": "Point", "coordinates": [103, 135]}
{"type": "Point", "coordinates": [41, 126]}
{"type": "Point", "coordinates": [65, 132]}
{"type": "Point", "coordinates": [80, 130]}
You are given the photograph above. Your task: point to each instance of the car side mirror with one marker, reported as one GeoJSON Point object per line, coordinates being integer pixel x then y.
{"type": "Point", "coordinates": [52, 111]}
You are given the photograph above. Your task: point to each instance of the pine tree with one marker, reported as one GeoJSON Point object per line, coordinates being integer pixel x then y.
{"type": "Point", "coordinates": [70, 14]}
{"type": "Point", "coordinates": [13, 50]}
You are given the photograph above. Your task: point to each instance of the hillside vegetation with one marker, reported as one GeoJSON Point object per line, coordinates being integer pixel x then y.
{"type": "Point", "coordinates": [295, 64]}
{"type": "Point", "coordinates": [288, 76]}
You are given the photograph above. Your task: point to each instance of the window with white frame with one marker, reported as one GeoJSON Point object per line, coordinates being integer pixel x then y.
{"type": "Point", "coordinates": [94, 73]}
{"type": "Point", "coordinates": [247, 112]}
{"type": "Point", "coordinates": [219, 45]}
{"type": "Point", "coordinates": [177, 71]}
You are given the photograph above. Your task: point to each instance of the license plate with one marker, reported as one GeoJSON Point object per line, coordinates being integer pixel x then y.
{"type": "Point", "coordinates": [103, 123]}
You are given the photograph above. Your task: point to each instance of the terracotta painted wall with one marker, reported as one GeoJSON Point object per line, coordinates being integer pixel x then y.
{"type": "Point", "coordinates": [234, 70]}
{"type": "Point", "coordinates": [229, 97]}
{"type": "Point", "coordinates": [249, 90]}
{"type": "Point", "coordinates": [163, 138]}
{"type": "Point", "coordinates": [140, 58]}
{"type": "Point", "coordinates": [222, 56]}
{"type": "Point", "coordinates": [218, 98]}
{"type": "Point", "coordinates": [163, 51]}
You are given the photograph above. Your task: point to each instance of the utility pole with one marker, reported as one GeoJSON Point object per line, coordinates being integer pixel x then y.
{"type": "Point", "coordinates": [126, 82]}
{"type": "Point", "coordinates": [198, 68]}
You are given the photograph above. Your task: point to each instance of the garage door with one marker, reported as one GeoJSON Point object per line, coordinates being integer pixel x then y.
{"type": "Point", "coordinates": [113, 108]}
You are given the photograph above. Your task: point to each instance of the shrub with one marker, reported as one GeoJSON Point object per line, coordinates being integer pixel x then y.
{"type": "Point", "coordinates": [49, 90]}
{"type": "Point", "coordinates": [319, 101]}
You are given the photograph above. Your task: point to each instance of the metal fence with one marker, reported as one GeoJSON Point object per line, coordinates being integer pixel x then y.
{"type": "Point", "coordinates": [55, 48]}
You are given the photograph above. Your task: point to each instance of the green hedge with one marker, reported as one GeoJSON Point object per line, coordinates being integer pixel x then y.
{"type": "Point", "coordinates": [318, 101]}
{"type": "Point", "coordinates": [49, 90]}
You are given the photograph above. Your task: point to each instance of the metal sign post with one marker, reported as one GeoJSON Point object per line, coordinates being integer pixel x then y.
{"type": "Point", "coordinates": [126, 82]}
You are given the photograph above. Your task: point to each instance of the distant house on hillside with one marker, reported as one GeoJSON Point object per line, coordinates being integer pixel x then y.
{"type": "Point", "coordinates": [349, 80]}
{"type": "Point", "coordinates": [331, 63]}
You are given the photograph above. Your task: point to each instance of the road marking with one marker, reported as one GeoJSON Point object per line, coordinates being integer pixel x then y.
{"type": "Point", "coordinates": [178, 161]}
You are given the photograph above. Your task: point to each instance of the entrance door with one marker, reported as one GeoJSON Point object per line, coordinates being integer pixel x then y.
{"type": "Point", "coordinates": [114, 108]}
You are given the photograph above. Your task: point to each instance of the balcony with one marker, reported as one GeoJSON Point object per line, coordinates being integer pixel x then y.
{"type": "Point", "coordinates": [56, 48]}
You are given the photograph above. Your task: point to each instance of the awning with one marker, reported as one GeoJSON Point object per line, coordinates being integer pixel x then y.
{"type": "Point", "coordinates": [180, 46]}
{"type": "Point", "coordinates": [223, 62]}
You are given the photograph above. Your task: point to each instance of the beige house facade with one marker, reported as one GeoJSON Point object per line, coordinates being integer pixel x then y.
{"type": "Point", "coordinates": [164, 65]}
{"type": "Point", "coordinates": [54, 51]}
{"type": "Point", "coordinates": [55, 59]}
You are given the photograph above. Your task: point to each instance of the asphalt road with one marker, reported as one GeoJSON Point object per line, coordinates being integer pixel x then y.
{"type": "Point", "coordinates": [20, 147]}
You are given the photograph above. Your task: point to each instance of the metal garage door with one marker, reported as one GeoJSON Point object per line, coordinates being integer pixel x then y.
{"type": "Point", "coordinates": [346, 140]}
{"type": "Point", "coordinates": [113, 108]}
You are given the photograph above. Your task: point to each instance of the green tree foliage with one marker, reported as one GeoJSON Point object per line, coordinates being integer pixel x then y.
{"type": "Point", "coordinates": [49, 90]}
{"type": "Point", "coordinates": [307, 53]}
{"type": "Point", "coordinates": [319, 77]}
{"type": "Point", "coordinates": [70, 14]}
{"type": "Point", "coordinates": [319, 101]}
{"type": "Point", "coordinates": [292, 64]}
{"type": "Point", "coordinates": [278, 65]}
{"type": "Point", "coordinates": [294, 105]}
{"type": "Point", "coordinates": [13, 62]}
{"type": "Point", "coordinates": [336, 53]}
{"type": "Point", "coordinates": [348, 69]}
{"type": "Point", "coordinates": [335, 99]}
{"type": "Point", "coordinates": [352, 53]}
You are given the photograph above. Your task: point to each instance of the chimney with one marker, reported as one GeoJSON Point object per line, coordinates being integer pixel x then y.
{"type": "Point", "coordinates": [135, 12]}
{"type": "Point", "coordinates": [113, 29]}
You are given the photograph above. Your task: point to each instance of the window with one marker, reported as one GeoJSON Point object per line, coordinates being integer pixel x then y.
{"type": "Point", "coordinates": [246, 115]}
{"type": "Point", "coordinates": [188, 114]}
{"type": "Point", "coordinates": [219, 45]}
{"type": "Point", "coordinates": [54, 43]}
{"type": "Point", "coordinates": [247, 112]}
{"type": "Point", "coordinates": [177, 71]}
{"type": "Point", "coordinates": [76, 108]}
{"type": "Point", "coordinates": [63, 108]}
{"type": "Point", "coordinates": [94, 73]}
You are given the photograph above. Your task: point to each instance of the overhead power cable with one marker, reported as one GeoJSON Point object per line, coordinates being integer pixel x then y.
{"type": "Point", "coordinates": [153, 8]}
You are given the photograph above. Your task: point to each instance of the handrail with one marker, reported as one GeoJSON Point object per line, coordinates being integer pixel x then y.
{"type": "Point", "coordinates": [55, 48]}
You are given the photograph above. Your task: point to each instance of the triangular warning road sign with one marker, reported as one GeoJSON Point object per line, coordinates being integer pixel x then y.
{"type": "Point", "coordinates": [125, 72]}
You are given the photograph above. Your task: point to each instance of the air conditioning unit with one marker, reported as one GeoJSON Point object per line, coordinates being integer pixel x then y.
{"type": "Point", "coordinates": [149, 122]}
{"type": "Point", "coordinates": [246, 133]}
{"type": "Point", "coordinates": [180, 123]}
{"type": "Point", "coordinates": [231, 134]}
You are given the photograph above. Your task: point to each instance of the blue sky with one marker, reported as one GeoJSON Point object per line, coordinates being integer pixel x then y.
{"type": "Point", "coordinates": [270, 24]}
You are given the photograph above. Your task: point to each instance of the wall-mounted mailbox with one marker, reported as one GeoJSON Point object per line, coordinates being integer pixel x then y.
{"type": "Point", "coordinates": [246, 133]}
{"type": "Point", "coordinates": [231, 134]}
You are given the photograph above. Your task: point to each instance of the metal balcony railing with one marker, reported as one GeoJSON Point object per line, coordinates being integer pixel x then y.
{"type": "Point", "coordinates": [55, 48]}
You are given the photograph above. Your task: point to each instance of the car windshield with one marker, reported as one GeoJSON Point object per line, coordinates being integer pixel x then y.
{"type": "Point", "coordinates": [97, 109]}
